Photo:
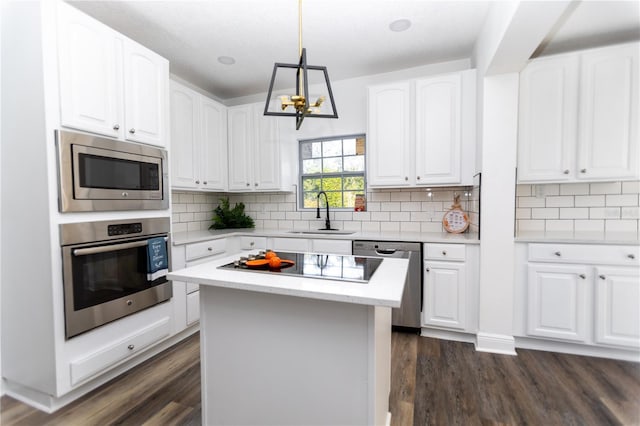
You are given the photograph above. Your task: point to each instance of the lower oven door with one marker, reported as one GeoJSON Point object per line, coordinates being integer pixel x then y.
{"type": "Point", "coordinates": [104, 282]}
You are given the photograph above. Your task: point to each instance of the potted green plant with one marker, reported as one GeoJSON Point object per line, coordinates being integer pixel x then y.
{"type": "Point", "coordinates": [226, 217]}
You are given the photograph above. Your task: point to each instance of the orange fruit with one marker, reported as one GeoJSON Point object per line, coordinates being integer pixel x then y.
{"type": "Point", "coordinates": [270, 254]}
{"type": "Point", "coordinates": [275, 262]}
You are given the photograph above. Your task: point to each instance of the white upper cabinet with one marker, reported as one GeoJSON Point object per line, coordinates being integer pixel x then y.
{"type": "Point", "coordinates": [255, 155]}
{"type": "Point", "coordinates": [109, 84]}
{"type": "Point", "coordinates": [422, 132]}
{"type": "Point", "coordinates": [547, 116]}
{"type": "Point", "coordinates": [90, 77]}
{"type": "Point", "coordinates": [578, 118]}
{"type": "Point", "coordinates": [389, 137]}
{"type": "Point", "coordinates": [145, 91]}
{"type": "Point", "coordinates": [608, 133]}
{"type": "Point", "coordinates": [198, 141]}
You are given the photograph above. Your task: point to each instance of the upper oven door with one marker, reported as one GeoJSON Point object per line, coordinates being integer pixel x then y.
{"type": "Point", "coordinates": [111, 175]}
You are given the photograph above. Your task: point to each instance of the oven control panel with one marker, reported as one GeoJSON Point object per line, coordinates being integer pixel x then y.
{"type": "Point", "coordinates": [125, 229]}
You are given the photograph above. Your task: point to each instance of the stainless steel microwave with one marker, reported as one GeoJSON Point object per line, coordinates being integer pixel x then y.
{"type": "Point", "coordinates": [100, 174]}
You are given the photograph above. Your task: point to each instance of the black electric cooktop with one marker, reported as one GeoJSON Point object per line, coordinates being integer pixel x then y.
{"type": "Point", "coordinates": [357, 269]}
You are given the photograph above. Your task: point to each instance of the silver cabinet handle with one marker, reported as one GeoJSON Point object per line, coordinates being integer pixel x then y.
{"type": "Point", "coordinates": [108, 248]}
{"type": "Point", "coordinates": [205, 182]}
{"type": "Point", "coordinates": [418, 177]}
{"type": "Point", "coordinates": [131, 347]}
{"type": "Point", "coordinates": [444, 252]}
{"type": "Point", "coordinates": [255, 184]}
{"type": "Point", "coordinates": [132, 131]}
{"type": "Point", "coordinates": [583, 170]}
{"type": "Point", "coordinates": [406, 178]}
{"type": "Point", "coordinates": [428, 270]}
{"type": "Point", "coordinates": [129, 302]}
{"type": "Point", "coordinates": [558, 254]}
{"type": "Point", "coordinates": [248, 184]}
{"type": "Point", "coordinates": [631, 256]}
{"type": "Point", "coordinates": [125, 194]}
{"type": "Point", "coordinates": [210, 248]}
{"type": "Point", "coordinates": [198, 182]}
{"type": "Point", "coordinates": [252, 243]}
{"type": "Point", "coordinates": [583, 276]}
{"type": "Point", "coordinates": [602, 277]}
{"type": "Point", "coordinates": [566, 172]}
{"type": "Point", "coordinates": [116, 127]}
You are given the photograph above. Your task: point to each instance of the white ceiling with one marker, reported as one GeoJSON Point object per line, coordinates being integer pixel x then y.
{"type": "Point", "coordinates": [350, 37]}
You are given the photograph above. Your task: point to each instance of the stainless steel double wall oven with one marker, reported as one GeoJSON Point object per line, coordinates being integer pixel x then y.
{"type": "Point", "coordinates": [106, 269]}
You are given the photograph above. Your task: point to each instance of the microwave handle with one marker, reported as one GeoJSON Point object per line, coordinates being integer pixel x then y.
{"type": "Point", "coordinates": [106, 249]}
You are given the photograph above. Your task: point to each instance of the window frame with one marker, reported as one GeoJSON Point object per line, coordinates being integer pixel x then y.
{"type": "Point", "coordinates": [321, 175]}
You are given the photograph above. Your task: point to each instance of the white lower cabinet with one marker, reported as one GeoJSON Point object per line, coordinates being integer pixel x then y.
{"type": "Point", "coordinates": [449, 297]}
{"type": "Point", "coordinates": [444, 294]}
{"type": "Point", "coordinates": [298, 245]}
{"type": "Point", "coordinates": [587, 294]}
{"type": "Point", "coordinates": [617, 310]}
{"type": "Point", "coordinates": [557, 301]}
{"type": "Point", "coordinates": [331, 246]}
{"type": "Point", "coordinates": [253, 243]}
{"type": "Point", "coordinates": [187, 295]}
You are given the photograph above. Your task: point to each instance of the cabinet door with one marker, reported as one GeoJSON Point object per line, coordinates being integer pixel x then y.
{"type": "Point", "coordinates": [389, 136]}
{"type": "Point", "coordinates": [548, 119]}
{"type": "Point", "coordinates": [193, 307]}
{"type": "Point", "coordinates": [213, 143]}
{"type": "Point", "coordinates": [240, 127]}
{"type": "Point", "coordinates": [608, 146]}
{"type": "Point", "coordinates": [146, 77]}
{"type": "Point", "coordinates": [556, 301]}
{"type": "Point", "coordinates": [438, 129]}
{"type": "Point", "coordinates": [444, 296]}
{"type": "Point", "coordinates": [184, 137]}
{"type": "Point", "coordinates": [617, 299]}
{"type": "Point", "coordinates": [90, 74]}
{"type": "Point", "coordinates": [266, 148]}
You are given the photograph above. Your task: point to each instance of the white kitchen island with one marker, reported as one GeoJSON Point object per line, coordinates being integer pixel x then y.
{"type": "Point", "coordinates": [289, 350]}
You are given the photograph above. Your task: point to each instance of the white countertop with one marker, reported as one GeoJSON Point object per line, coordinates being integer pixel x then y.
{"type": "Point", "coordinates": [625, 238]}
{"type": "Point", "coordinates": [383, 289]}
{"type": "Point", "coordinates": [180, 238]}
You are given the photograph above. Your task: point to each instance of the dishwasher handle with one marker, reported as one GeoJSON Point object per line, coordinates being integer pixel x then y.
{"type": "Point", "coordinates": [385, 252]}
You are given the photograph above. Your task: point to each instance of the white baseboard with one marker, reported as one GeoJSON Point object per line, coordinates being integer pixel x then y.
{"type": "Point", "coordinates": [388, 422]}
{"type": "Point", "coordinates": [495, 343]}
{"type": "Point", "coordinates": [578, 349]}
{"type": "Point", "coordinates": [456, 336]}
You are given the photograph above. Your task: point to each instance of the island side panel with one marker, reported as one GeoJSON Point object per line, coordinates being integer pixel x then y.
{"type": "Point", "coordinates": [282, 360]}
{"type": "Point", "coordinates": [380, 364]}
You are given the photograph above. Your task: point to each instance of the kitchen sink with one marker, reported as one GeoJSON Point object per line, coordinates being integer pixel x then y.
{"type": "Point", "coordinates": [324, 232]}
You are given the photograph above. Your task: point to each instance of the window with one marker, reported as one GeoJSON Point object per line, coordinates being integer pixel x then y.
{"type": "Point", "coordinates": [335, 165]}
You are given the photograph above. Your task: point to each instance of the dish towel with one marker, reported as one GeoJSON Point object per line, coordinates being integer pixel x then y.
{"type": "Point", "coordinates": [157, 259]}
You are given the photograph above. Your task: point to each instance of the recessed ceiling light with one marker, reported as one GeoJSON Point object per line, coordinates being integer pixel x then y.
{"type": "Point", "coordinates": [226, 60]}
{"type": "Point", "coordinates": [400, 25]}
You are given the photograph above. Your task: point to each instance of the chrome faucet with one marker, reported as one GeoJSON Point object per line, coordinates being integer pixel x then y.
{"type": "Point", "coordinates": [327, 224]}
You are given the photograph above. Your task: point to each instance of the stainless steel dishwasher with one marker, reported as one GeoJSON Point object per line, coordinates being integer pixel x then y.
{"type": "Point", "coordinates": [407, 316]}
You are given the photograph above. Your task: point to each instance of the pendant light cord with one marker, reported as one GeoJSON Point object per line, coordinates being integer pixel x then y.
{"type": "Point", "coordinates": [300, 77]}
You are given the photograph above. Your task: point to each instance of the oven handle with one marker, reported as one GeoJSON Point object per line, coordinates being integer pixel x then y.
{"type": "Point", "coordinates": [113, 247]}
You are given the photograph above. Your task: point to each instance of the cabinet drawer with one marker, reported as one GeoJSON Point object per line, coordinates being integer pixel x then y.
{"type": "Point", "coordinates": [331, 246]}
{"type": "Point", "coordinates": [590, 254]}
{"type": "Point", "coordinates": [112, 354]}
{"type": "Point", "coordinates": [205, 248]}
{"type": "Point", "coordinates": [300, 245]}
{"type": "Point", "coordinates": [253, 243]}
{"type": "Point", "coordinates": [193, 307]}
{"type": "Point", "coordinates": [444, 251]}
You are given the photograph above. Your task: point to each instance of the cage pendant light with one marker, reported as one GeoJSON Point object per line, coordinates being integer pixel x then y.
{"type": "Point", "coordinates": [298, 105]}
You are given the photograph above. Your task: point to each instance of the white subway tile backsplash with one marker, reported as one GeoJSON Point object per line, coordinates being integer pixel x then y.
{"type": "Point", "coordinates": [631, 187]}
{"type": "Point", "coordinates": [371, 226]}
{"type": "Point", "coordinates": [431, 227]}
{"type": "Point", "coordinates": [380, 216]}
{"type": "Point", "coordinates": [179, 227]}
{"type": "Point", "coordinates": [191, 208]}
{"type": "Point", "coordinates": [531, 225]}
{"type": "Point", "coordinates": [400, 216]}
{"type": "Point", "coordinates": [270, 224]}
{"type": "Point", "coordinates": [606, 188]}
{"type": "Point", "coordinates": [380, 196]}
{"type": "Point", "coordinates": [574, 189]}
{"type": "Point", "coordinates": [621, 226]}
{"type": "Point", "coordinates": [344, 216]}
{"type": "Point", "coordinates": [604, 213]}
{"type": "Point", "coordinates": [523, 213]}
{"type": "Point", "coordinates": [559, 225]}
{"type": "Point", "coordinates": [353, 226]}
{"type": "Point", "coordinates": [193, 226]}
{"type": "Point", "coordinates": [630, 212]}
{"type": "Point", "coordinates": [390, 226]}
{"type": "Point", "coordinates": [523, 190]}
{"type": "Point", "coordinates": [278, 215]}
{"type": "Point", "coordinates": [588, 225]}
{"type": "Point", "coordinates": [400, 196]}
{"type": "Point", "coordinates": [186, 217]}
{"type": "Point", "coordinates": [277, 198]}
{"type": "Point", "coordinates": [544, 213]}
{"type": "Point", "coordinates": [362, 216]}
{"type": "Point", "coordinates": [301, 225]}
{"type": "Point", "coordinates": [418, 196]}
{"type": "Point", "coordinates": [622, 200]}
{"type": "Point", "coordinates": [574, 213]}
{"type": "Point", "coordinates": [420, 217]}
{"type": "Point", "coordinates": [179, 208]}
{"type": "Point", "coordinates": [560, 201]}
{"type": "Point", "coordinates": [411, 206]}
{"type": "Point", "coordinates": [373, 207]}
{"type": "Point", "coordinates": [285, 224]}
{"type": "Point", "coordinates": [589, 200]}
{"type": "Point", "coordinates": [292, 215]}
{"type": "Point", "coordinates": [392, 206]}
{"type": "Point", "coordinates": [530, 202]}
{"type": "Point", "coordinates": [409, 227]}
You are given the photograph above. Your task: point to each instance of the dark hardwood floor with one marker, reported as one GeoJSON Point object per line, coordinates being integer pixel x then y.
{"type": "Point", "coordinates": [434, 382]}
